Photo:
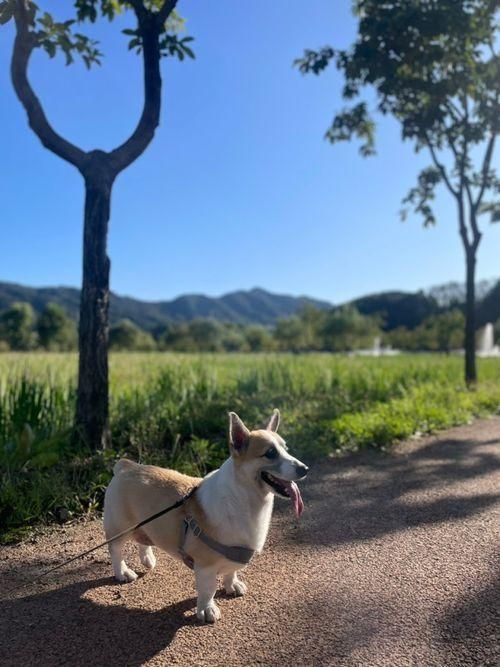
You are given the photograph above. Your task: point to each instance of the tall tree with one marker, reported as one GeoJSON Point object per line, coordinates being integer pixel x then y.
{"type": "Point", "coordinates": [434, 66]}
{"type": "Point", "coordinates": [56, 331]}
{"type": "Point", "coordinates": [17, 326]}
{"type": "Point", "coordinates": [345, 328]}
{"type": "Point", "coordinates": [154, 36]}
{"type": "Point", "coordinates": [126, 335]}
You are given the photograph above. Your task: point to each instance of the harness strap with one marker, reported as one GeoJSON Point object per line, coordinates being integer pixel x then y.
{"type": "Point", "coordinates": [241, 555]}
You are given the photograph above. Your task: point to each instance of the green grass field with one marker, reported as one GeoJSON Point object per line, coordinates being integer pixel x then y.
{"type": "Point", "coordinates": [172, 409]}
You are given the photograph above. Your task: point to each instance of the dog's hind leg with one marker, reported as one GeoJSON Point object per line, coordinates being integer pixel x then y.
{"type": "Point", "coordinates": [206, 585]}
{"type": "Point", "coordinates": [147, 556]}
{"type": "Point", "coordinates": [233, 585]}
{"type": "Point", "coordinates": [120, 568]}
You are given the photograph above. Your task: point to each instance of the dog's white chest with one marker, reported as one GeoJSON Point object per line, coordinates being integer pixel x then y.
{"type": "Point", "coordinates": [238, 516]}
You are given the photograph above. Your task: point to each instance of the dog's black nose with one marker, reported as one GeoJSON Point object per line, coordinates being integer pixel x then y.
{"type": "Point", "coordinates": [301, 470]}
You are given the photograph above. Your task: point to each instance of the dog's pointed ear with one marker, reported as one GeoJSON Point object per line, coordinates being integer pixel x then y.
{"type": "Point", "coordinates": [238, 433]}
{"type": "Point", "coordinates": [274, 421]}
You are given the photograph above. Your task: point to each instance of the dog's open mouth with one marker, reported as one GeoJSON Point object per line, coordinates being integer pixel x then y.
{"type": "Point", "coordinates": [285, 489]}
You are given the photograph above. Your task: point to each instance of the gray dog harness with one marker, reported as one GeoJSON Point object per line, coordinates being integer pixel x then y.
{"type": "Point", "coordinates": [241, 555]}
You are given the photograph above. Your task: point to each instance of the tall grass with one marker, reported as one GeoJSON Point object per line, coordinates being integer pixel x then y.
{"type": "Point", "coordinates": [171, 410]}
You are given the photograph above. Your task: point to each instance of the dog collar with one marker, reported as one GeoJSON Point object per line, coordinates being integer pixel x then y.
{"type": "Point", "coordinates": [241, 555]}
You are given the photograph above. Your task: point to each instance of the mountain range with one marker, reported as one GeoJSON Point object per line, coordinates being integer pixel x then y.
{"type": "Point", "coordinates": [257, 306]}
{"type": "Point", "coordinates": [254, 306]}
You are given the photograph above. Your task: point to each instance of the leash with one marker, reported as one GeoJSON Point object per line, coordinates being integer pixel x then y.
{"type": "Point", "coordinates": [179, 503]}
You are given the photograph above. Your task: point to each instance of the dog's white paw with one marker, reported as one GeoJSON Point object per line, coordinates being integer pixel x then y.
{"type": "Point", "coordinates": [126, 575]}
{"type": "Point", "coordinates": [148, 559]}
{"type": "Point", "coordinates": [209, 614]}
{"type": "Point", "coordinates": [236, 587]}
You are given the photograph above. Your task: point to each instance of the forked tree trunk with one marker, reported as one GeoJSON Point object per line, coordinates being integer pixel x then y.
{"type": "Point", "coordinates": [470, 317]}
{"type": "Point", "coordinates": [92, 411]}
{"type": "Point", "coordinates": [99, 170]}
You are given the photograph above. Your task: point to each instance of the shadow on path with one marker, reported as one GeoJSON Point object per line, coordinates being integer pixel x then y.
{"type": "Point", "coordinates": [365, 496]}
{"type": "Point", "coordinates": [54, 628]}
{"type": "Point", "coordinates": [470, 629]}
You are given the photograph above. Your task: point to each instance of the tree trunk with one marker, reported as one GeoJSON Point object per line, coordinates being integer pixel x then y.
{"type": "Point", "coordinates": [470, 317]}
{"type": "Point", "coordinates": [92, 413]}
{"type": "Point", "coordinates": [99, 170]}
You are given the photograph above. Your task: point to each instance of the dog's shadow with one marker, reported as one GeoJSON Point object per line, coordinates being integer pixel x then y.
{"type": "Point", "coordinates": [64, 627]}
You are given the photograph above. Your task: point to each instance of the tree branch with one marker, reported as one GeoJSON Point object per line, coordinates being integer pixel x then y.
{"type": "Point", "coordinates": [454, 112]}
{"type": "Point", "coordinates": [462, 161]}
{"type": "Point", "coordinates": [140, 11]}
{"type": "Point", "coordinates": [491, 44]}
{"type": "Point", "coordinates": [464, 181]}
{"type": "Point", "coordinates": [451, 143]}
{"type": "Point", "coordinates": [441, 169]}
{"type": "Point", "coordinates": [165, 11]}
{"type": "Point", "coordinates": [24, 44]}
{"type": "Point", "coordinates": [485, 169]}
{"type": "Point", "coordinates": [469, 195]}
{"type": "Point", "coordinates": [136, 144]}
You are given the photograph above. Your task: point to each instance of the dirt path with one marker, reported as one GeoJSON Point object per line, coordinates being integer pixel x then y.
{"type": "Point", "coordinates": [395, 562]}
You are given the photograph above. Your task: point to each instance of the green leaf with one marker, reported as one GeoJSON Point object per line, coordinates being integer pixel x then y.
{"type": "Point", "coordinates": [354, 122]}
{"type": "Point", "coordinates": [315, 61]}
{"type": "Point", "coordinates": [50, 47]}
{"type": "Point", "coordinates": [493, 208]}
{"type": "Point", "coordinates": [6, 12]}
{"type": "Point", "coordinates": [170, 45]}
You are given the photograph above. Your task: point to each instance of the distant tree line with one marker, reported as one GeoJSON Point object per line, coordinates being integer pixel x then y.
{"type": "Point", "coordinates": [340, 329]}
{"type": "Point", "coordinates": [22, 329]}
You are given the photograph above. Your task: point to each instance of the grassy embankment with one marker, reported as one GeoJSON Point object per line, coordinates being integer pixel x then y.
{"type": "Point", "coordinates": [171, 410]}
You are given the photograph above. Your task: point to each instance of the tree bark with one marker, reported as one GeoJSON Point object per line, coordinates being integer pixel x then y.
{"type": "Point", "coordinates": [470, 317]}
{"type": "Point", "coordinates": [92, 410]}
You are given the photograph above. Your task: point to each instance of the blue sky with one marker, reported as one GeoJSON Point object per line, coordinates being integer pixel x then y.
{"type": "Point", "coordinates": [238, 189]}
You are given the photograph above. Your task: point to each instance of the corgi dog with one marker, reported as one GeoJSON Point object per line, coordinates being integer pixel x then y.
{"type": "Point", "coordinates": [223, 522]}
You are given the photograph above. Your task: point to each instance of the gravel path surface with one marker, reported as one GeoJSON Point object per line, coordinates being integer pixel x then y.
{"type": "Point", "coordinates": [394, 562]}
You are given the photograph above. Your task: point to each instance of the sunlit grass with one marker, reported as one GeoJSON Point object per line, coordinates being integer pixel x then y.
{"type": "Point", "coordinates": [172, 410]}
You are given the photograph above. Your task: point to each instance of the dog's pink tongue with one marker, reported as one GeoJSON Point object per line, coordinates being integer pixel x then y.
{"type": "Point", "coordinates": [298, 503]}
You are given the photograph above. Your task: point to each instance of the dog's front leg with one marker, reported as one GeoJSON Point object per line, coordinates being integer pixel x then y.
{"type": "Point", "coordinates": [206, 584]}
{"type": "Point", "coordinates": [233, 585]}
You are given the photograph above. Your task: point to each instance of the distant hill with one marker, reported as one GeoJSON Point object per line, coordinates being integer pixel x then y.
{"type": "Point", "coordinates": [255, 306]}
{"type": "Point", "coordinates": [409, 309]}
{"type": "Point", "coordinates": [452, 294]}
{"type": "Point", "coordinates": [398, 309]}
{"type": "Point", "coordinates": [489, 308]}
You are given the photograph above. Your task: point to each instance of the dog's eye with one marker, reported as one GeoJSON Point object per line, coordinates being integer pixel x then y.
{"type": "Point", "coordinates": [271, 453]}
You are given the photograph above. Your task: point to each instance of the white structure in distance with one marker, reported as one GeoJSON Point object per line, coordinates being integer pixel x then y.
{"type": "Point", "coordinates": [486, 342]}
{"type": "Point", "coordinates": [376, 351]}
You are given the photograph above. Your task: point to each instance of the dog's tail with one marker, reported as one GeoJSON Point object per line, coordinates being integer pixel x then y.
{"type": "Point", "coordinates": [123, 465]}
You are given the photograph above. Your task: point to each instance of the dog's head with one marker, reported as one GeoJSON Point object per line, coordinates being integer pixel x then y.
{"type": "Point", "coordinates": [262, 457]}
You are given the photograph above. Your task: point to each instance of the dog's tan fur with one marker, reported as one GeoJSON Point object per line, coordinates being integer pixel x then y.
{"type": "Point", "coordinates": [258, 442]}
{"type": "Point", "coordinates": [138, 491]}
